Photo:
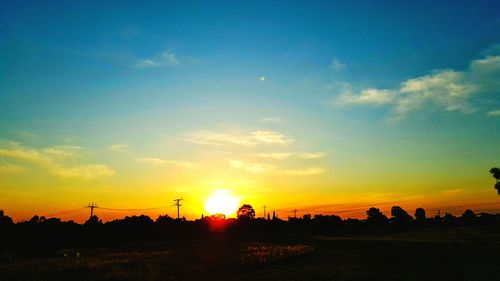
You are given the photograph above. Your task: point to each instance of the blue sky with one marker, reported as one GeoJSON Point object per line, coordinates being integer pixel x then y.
{"type": "Point", "coordinates": [404, 89]}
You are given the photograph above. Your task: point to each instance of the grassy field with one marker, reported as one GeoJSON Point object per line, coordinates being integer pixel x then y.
{"type": "Point", "coordinates": [453, 256]}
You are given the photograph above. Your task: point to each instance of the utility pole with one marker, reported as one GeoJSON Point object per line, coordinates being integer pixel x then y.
{"type": "Point", "coordinates": [294, 213]}
{"type": "Point", "coordinates": [264, 211]}
{"type": "Point", "coordinates": [92, 207]}
{"type": "Point", "coordinates": [178, 204]}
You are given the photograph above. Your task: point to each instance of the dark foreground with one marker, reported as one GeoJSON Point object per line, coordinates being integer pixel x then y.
{"type": "Point", "coordinates": [408, 256]}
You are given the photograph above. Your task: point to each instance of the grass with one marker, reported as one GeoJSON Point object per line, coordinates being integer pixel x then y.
{"type": "Point", "coordinates": [407, 256]}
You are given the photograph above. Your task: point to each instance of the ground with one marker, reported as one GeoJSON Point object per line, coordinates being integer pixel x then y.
{"type": "Point", "coordinates": [457, 255]}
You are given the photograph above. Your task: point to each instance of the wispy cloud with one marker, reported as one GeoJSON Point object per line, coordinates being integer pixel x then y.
{"type": "Point", "coordinates": [158, 161]}
{"type": "Point", "coordinates": [53, 158]}
{"type": "Point", "coordinates": [336, 65]}
{"type": "Point", "coordinates": [494, 113]}
{"type": "Point", "coordinates": [166, 58]}
{"type": "Point", "coordinates": [368, 96]}
{"type": "Point", "coordinates": [276, 155]}
{"type": "Point", "coordinates": [241, 139]}
{"type": "Point", "coordinates": [271, 120]}
{"type": "Point", "coordinates": [256, 168]}
{"type": "Point", "coordinates": [119, 147]}
{"type": "Point", "coordinates": [270, 137]}
{"type": "Point", "coordinates": [447, 89]}
{"type": "Point", "coordinates": [311, 155]}
{"type": "Point", "coordinates": [83, 172]}
{"type": "Point", "coordinates": [303, 172]}
{"type": "Point", "coordinates": [286, 155]}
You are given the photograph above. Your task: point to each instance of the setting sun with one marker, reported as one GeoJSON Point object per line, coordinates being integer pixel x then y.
{"type": "Point", "coordinates": [222, 202]}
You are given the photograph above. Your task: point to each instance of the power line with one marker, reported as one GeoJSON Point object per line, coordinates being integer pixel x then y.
{"type": "Point", "coordinates": [92, 207]}
{"type": "Point", "coordinates": [178, 204]}
{"type": "Point", "coordinates": [133, 209]}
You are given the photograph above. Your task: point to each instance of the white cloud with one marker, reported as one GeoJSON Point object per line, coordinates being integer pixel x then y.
{"type": "Point", "coordinates": [488, 64]}
{"type": "Point", "coordinates": [311, 155]}
{"type": "Point", "coordinates": [273, 120]}
{"type": "Point", "coordinates": [368, 96]}
{"type": "Point", "coordinates": [167, 58]}
{"type": "Point", "coordinates": [286, 155]}
{"type": "Point", "coordinates": [270, 137]}
{"type": "Point", "coordinates": [84, 172]}
{"type": "Point", "coordinates": [52, 159]}
{"type": "Point", "coordinates": [276, 155]}
{"type": "Point", "coordinates": [494, 113]}
{"type": "Point", "coordinates": [158, 161]}
{"type": "Point", "coordinates": [241, 139]}
{"type": "Point", "coordinates": [303, 172]}
{"type": "Point", "coordinates": [119, 147]}
{"type": "Point", "coordinates": [336, 65]}
{"type": "Point", "coordinates": [447, 89]}
{"type": "Point", "coordinates": [255, 168]}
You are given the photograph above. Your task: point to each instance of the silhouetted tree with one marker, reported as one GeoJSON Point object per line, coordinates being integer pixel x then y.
{"type": "Point", "coordinates": [420, 215]}
{"type": "Point", "coordinates": [246, 212]}
{"type": "Point", "coordinates": [5, 220]}
{"type": "Point", "coordinates": [166, 219]}
{"type": "Point", "coordinates": [375, 216]}
{"type": "Point", "coordinates": [399, 215]}
{"type": "Point", "coordinates": [495, 172]}
{"type": "Point", "coordinates": [306, 217]}
{"type": "Point", "coordinates": [468, 217]}
{"type": "Point", "coordinates": [93, 221]}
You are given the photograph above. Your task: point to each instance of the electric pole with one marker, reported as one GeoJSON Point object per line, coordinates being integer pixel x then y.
{"type": "Point", "coordinates": [294, 213]}
{"type": "Point", "coordinates": [264, 211]}
{"type": "Point", "coordinates": [178, 204]}
{"type": "Point", "coordinates": [92, 207]}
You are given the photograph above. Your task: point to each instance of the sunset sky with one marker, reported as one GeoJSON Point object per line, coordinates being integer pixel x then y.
{"type": "Point", "coordinates": [324, 106]}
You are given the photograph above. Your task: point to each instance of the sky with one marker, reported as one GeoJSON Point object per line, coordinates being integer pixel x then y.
{"type": "Point", "coordinates": [322, 106]}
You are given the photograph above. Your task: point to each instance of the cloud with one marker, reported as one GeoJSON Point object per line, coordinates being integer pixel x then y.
{"type": "Point", "coordinates": [120, 147]}
{"type": "Point", "coordinates": [52, 159]}
{"type": "Point", "coordinates": [336, 65]}
{"type": "Point", "coordinates": [84, 172]}
{"type": "Point", "coordinates": [276, 156]}
{"type": "Point", "coordinates": [368, 96]}
{"type": "Point", "coordinates": [303, 172]}
{"type": "Point", "coordinates": [488, 64]}
{"type": "Point", "coordinates": [272, 120]}
{"type": "Point", "coordinates": [446, 89]}
{"type": "Point", "coordinates": [311, 155]}
{"type": "Point", "coordinates": [241, 139]}
{"type": "Point", "coordinates": [286, 155]}
{"type": "Point", "coordinates": [158, 161]}
{"type": "Point", "coordinates": [494, 113]}
{"type": "Point", "coordinates": [167, 58]}
{"type": "Point", "coordinates": [270, 137]}
{"type": "Point", "coordinates": [255, 168]}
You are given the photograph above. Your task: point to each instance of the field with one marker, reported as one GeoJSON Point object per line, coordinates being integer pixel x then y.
{"type": "Point", "coordinates": [456, 255]}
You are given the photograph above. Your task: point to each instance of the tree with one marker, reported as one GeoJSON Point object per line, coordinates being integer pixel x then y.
{"type": "Point", "coordinates": [399, 215]}
{"type": "Point", "coordinates": [495, 172]}
{"type": "Point", "coordinates": [420, 215]}
{"type": "Point", "coordinates": [468, 216]}
{"type": "Point", "coordinates": [374, 215]}
{"type": "Point", "coordinates": [246, 212]}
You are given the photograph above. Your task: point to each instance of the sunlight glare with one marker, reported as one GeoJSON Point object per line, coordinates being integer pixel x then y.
{"type": "Point", "coordinates": [222, 202]}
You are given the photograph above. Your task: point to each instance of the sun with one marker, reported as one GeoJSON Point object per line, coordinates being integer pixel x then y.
{"type": "Point", "coordinates": [222, 202]}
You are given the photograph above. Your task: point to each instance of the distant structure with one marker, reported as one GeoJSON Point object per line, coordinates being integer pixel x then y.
{"type": "Point", "coordinates": [178, 204]}
{"type": "Point", "coordinates": [92, 207]}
